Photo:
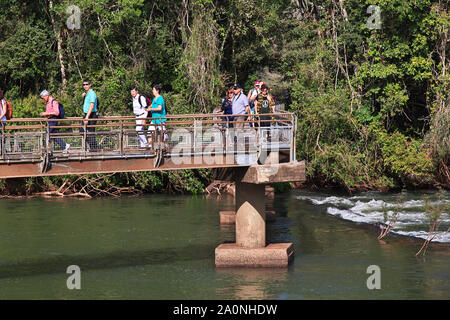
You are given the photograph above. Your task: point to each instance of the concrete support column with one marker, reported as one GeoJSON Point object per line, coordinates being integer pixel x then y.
{"type": "Point", "coordinates": [250, 215]}
{"type": "Point", "coordinates": [250, 249]}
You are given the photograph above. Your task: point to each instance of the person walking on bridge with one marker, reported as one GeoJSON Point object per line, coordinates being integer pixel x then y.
{"type": "Point", "coordinates": [90, 104]}
{"type": "Point", "coordinates": [140, 112]}
{"type": "Point", "coordinates": [52, 112]}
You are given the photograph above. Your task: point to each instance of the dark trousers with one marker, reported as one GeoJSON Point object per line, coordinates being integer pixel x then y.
{"type": "Point", "coordinates": [52, 128]}
{"type": "Point", "coordinates": [230, 124]}
{"type": "Point", "coordinates": [90, 139]}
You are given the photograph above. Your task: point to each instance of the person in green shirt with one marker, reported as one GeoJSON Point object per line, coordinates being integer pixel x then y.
{"type": "Point", "coordinates": [90, 112]}
{"type": "Point", "coordinates": [158, 110]}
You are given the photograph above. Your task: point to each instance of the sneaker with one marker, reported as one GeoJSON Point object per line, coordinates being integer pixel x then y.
{"type": "Point", "coordinates": [67, 148]}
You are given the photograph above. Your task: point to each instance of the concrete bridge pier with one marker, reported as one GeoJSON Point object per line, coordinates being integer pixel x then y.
{"type": "Point", "coordinates": [251, 248]}
{"type": "Point", "coordinates": [229, 217]}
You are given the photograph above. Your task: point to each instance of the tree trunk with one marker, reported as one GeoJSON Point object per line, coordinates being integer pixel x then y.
{"type": "Point", "coordinates": [59, 42]}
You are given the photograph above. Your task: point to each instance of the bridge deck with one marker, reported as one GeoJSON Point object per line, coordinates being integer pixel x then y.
{"type": "Point", "coordinates": [192, 141]}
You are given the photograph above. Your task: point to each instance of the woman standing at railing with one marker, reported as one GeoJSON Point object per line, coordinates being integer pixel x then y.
{"type": "Point", "coordinates": [264, 104]}
{"type": "Point", "coordinates": [227, 107]}
{"type": "Point", "coordinates": [158, 110]}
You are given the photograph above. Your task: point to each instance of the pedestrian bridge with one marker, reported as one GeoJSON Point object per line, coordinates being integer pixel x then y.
{"type": "Point", "coordinates": [191, 142]}
{"type": "Point", "coordinates": [250, 153]}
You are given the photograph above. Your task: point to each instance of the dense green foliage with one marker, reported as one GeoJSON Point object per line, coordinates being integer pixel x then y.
{"type": "Point", "coordinates": [373, 104]}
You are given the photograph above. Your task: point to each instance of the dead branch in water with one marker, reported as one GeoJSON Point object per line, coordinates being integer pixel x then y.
{"type": "Point", "coordinates": [89, 186]}
{"type": "Point", "coordinates": [434, 212]}
{"type": "Point", "coordinates": [220, 187]}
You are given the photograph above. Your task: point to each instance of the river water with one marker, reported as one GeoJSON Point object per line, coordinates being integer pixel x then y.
{"type": "Point", "coordinates": [162, 247]}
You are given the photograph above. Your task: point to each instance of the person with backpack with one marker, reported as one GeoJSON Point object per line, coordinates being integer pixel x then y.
{"type": "Point", "coordinates": [90, 110]}
{"type": "Point", "coordinates": [264, 103]}
{"type": "Point", "coordinates": [53, 110]}
{"type": "Point", "coordinates": [140, 104]}
{"type": "Point", "coordinates": [253, 94]}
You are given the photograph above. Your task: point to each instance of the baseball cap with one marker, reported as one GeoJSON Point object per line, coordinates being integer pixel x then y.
{"type": "Point", "coordinates": [257, 83]}
{"type": "Point", "coordinates": [236, 86]}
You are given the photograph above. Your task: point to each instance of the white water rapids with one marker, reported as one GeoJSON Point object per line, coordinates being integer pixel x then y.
{"type": "Point", "coordinates": [372, 208]}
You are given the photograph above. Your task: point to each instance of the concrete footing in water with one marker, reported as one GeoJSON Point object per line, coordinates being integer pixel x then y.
{"type": "Point", "coordinates": [250, 248]}
{"type": "Point", "coordinates": [274, 255]}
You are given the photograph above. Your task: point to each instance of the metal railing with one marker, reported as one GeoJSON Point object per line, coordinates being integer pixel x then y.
{"type": "Point", "coordinates": [25, 140]}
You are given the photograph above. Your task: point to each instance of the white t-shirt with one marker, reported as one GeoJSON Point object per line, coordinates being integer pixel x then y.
{"type": "Point", "coordinates": [255, 92]}
{"type": "Point", "coordinates": [137, 109]}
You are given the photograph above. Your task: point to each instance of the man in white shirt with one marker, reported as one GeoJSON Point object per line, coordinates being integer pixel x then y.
{"type": "Point", "coordinates": [139, 106]}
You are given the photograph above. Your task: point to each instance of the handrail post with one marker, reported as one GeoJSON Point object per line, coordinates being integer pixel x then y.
{"type": "Point", "coordinates": [3, 140]}
{"type": "Point", "coordinates": [121, 138]}
{"type": "Point", "coordinates": [47, 138]}
{"type": "Point", "coordinates": [293, 130]}
{"type": "Point", "coordinates": [83, 143]}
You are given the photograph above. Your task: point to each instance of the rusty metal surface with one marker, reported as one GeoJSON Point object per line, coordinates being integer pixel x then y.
{"type": "Point", "coordinates": [19, 170]}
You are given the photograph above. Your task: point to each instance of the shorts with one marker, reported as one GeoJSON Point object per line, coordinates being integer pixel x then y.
{"type": "Point", "coordinates": [160, 127]}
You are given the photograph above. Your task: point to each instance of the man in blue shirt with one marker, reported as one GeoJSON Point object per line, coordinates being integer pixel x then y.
{"type": "Point", "coordinates": [240, 106]}
{"type": "Point", "coordinates": [90, 112]}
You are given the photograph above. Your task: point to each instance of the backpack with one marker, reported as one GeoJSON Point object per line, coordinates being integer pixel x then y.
{"type": "Point", "coordinates": [252, 103]}
{"type": "Point", "coordinates": [61, 111]}
{"type": "Point", "coordinates": [9, 110]}
{"type": "Point", "coordinates": [149, 103]}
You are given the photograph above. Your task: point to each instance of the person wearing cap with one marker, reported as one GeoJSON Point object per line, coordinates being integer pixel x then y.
{"type": "Point", "coordinates": [240, 106]}
{"type": "Point", "coordinates": [52, 112]}
{"type": "Point", "coordinates": [253, 94]}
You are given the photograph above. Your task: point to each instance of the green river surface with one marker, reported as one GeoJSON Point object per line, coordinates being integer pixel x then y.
{"type": "Point", "coordinates": [162, 247]}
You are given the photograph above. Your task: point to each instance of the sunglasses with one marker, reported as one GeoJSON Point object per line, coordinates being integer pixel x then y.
{"type": "Point", "coordinates": [86, 84]}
